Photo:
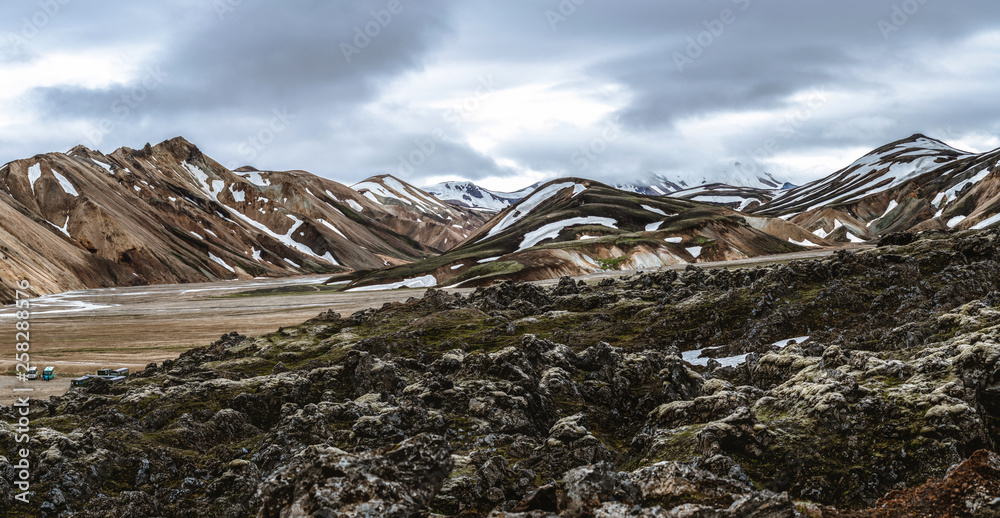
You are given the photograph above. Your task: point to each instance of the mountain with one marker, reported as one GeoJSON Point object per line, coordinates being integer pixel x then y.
{"type": "Point", "coordinates": [573, 226]}
{"type": "Point", "coordinates": [736, 198]}
{"type": "Point", "coordinates": [419, 214]}
{"type": "Point", "coordinates": [736, 175]}
{"type": "Point", "coordinates": [168, 213]}
{"type": "Point", "coordinates": [468, 194]}
{"type": "Point", "coordinates": [914, 184]}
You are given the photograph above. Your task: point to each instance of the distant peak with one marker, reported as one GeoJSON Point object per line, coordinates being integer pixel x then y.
{"type": "Point", "coordinates": [82, 151]}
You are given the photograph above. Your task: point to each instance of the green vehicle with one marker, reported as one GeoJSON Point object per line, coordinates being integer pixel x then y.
{"type": "Point", "coordinates": [106, 373]}
{"type": "Point", "coordinates": [48, 373]}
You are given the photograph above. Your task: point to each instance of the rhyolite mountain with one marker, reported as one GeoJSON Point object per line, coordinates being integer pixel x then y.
{"type": "Point", "coordinates": [574, 226]}
{"type": "Point", "coordinates": [438, 224]}
{"type": "Point", "coordinates": [169, 213]}
{"type": "Point", "coordinates": [914, 184]}
{"type": "Point", "coordinates": [736, 174]}
{"type": "Point", "coordinates": [468, 194]}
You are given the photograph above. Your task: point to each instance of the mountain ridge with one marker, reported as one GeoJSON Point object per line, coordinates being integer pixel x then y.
{"type": "Point", "coordinates": [169, 213]}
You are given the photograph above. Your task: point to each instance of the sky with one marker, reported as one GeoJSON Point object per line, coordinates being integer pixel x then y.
{"type": "Point", "coordinates": [502, 93]}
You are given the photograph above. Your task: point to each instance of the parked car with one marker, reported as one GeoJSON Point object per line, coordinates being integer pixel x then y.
{"type": "Point", "coordinates": [82, 380]}
{"type": "Point", "coordinates": [33, 373]}
{"type": "Point", "coordinates": [48, 373]}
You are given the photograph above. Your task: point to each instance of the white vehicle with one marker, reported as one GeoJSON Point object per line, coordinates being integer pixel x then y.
{"type": "Point", "coordinates": [33, 373]}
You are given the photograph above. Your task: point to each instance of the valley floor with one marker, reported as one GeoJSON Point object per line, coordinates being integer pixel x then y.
{"type": "Point", "coordinates": [79, 332]}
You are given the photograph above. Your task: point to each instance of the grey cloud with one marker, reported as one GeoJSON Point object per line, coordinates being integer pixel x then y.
{"type": "Point", "coordinates": [226, 74]}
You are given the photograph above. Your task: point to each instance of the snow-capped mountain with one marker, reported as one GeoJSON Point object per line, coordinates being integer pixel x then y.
{"type": "Point", "coordinates": [917, 183]}
{"type": "Point", "coordinates": [735, 175]}
{"type": "Point", "coordinates": [737, 198]}
{"type": "Point", "coordinates": [468, 194]}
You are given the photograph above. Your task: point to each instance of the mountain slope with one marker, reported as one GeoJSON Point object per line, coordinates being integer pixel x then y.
{"type": "Point", "coordinates": [419, 214]}
{"type": "Point", "coordinates": [468, 194]}
{"type": "Point", "coordinates": [168, 213]}
{"type": "Point", "coordinates": [914, 184]}
{"type": "Point", "coordinates": [735, 175]}
{"type": "Point", "coordinates": [736, 198]}
{"type": "Point", "coordinates": [572, 226]}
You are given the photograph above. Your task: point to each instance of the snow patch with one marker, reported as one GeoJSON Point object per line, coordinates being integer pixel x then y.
{"type": "Point", "coordinates": [955, 221]}
{"type": "Point", "coordinates": [781, 344]}
{"type": "Point", "coordinates": [258, 180]}
{"type": "Point", "coordinates": [65, 184]}
{"type": "Point", "coordinates": [355, 205]}
{"type": "Point", "coordinates": [427, 281]}
{"type": "Point", "coordinates": [806, 243]}
{"type": "Point", "coordinates": [220, 261]}
{"type": "Point", "coordinates": [552, 230]}
{"type": "Point", "coordinates": [525, 206]}
{"type": "Point", "coordinates": [653, 210]}
{"type": "Point", "coordinates": [333, 228]}
{"type": "Point", "coordinates": [674, 240]}
{"type": "Point", "coordinates": [694, 358]}
{"type": "Point", "coordinates": [104, 166]}
{"type": "Point", "coordinates": [654, 226]}
{"type": "Point", "coordinates": [987, 222]}
{"type": "Point", "coordinates": [488, 259]}
{"type": "Point", "coordinates": [34, 173]}
{"type": "Point", "coordinates": [457, 266]}
{"type": "Point", "coordinates": [695, 251]}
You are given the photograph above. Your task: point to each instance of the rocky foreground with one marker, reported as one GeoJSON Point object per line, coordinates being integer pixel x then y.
{"type": "Point", "coordinates": [574, 401]}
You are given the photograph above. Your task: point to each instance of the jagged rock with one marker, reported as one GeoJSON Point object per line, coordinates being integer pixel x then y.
{"type": "Point", "coordinates": [327, 481]}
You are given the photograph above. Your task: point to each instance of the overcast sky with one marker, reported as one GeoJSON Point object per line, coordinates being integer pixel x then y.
{"type": "Point", "coordinates": [504, 93]}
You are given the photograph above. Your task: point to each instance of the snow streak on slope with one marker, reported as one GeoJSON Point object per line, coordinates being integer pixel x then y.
{"type": "Point", "coordinates": [552, 230]}
{"type": "Point", "coordinates": [879, 171]}
{"type": "Point", "coordinates": [64, 183]}
{"type": "Point", "coordinates": [390, 188]}
{"type": "Point", "coordinates": [34, 173]}
{"type": "Point", "coordinates": [529, 204]}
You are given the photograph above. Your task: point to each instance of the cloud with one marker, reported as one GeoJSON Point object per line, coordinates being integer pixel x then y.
{"type": "Point", "coordinates": [349, 89]}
